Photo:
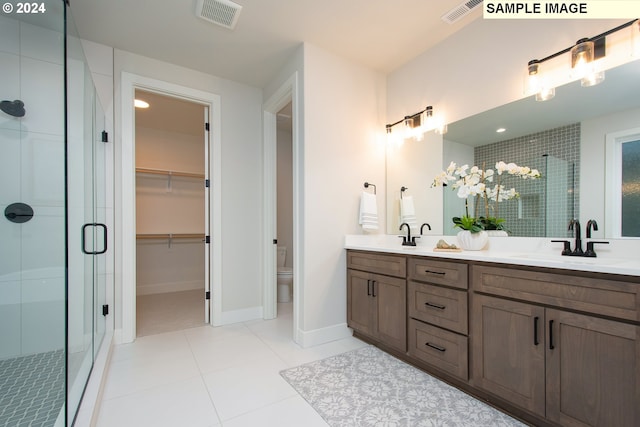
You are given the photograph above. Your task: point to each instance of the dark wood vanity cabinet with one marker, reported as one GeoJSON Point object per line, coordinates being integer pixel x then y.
{"type": "Point", "coordinates": [553, 347]}
{"type": "Point", "coordinates": [376, 302]}
{"type": "Point", "coordinates": [572, 368]}
{"type": "Point", "coordinates": [438, 314]}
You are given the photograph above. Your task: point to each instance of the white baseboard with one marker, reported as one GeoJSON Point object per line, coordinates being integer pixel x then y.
{"type": "Point", "coordinates": [323, 335]}
{"type": "Point", "coordinates": [243, 315]}
{"type": "Point", "coordinates": [162, 288]}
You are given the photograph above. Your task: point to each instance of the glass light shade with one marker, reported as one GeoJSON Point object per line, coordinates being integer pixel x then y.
{"type": "Point", "coordinates": [582, 55]}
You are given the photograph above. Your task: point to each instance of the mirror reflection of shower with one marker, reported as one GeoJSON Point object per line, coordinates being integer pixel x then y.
{"type": "Point", "coordinates": [13, 108]}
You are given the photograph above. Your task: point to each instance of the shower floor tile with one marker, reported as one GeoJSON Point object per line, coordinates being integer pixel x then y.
{"type": "Point", "coordinates": [32, 389]}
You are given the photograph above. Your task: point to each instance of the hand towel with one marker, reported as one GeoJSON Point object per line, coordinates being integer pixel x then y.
{"type": "Point", "coordinates": [408, 212]}
{"type": "Point", "coordinates": [368, 211]}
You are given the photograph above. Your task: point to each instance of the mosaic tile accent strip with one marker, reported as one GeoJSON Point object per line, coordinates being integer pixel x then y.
{"type": "Point", "coordinates": [32, 389]}
{"type": "Point", "coordinates": [546, 205]}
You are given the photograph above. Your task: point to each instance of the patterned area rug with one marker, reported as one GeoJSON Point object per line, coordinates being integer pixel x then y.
{"type": "Point", "coordinates": [368, 387]}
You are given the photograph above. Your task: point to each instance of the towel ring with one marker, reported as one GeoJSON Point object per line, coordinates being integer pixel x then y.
{"type": "Point", "coordinates": [366, 185]}
{"type": "Point", "coordinates": [402, 190]}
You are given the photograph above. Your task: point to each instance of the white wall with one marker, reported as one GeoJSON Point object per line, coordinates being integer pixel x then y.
{"type": "Point", "coordinates": [481, 66]}
{"type": "Point", "coordinates": [344, 105]}
{"type": "Point", "coordinates": [241, 175]}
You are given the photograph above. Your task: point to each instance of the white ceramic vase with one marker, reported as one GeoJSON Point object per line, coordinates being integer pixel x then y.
{"type": "Point", "coordinates": [472, 241]}
{"type": "Point", "coordinates": [497, 233]}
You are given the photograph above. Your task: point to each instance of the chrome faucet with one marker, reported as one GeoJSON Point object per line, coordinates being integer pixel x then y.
{"type": "Point", "coordinates": [407, 240]}
{"type": "Point", "coordinates": [574, 225]}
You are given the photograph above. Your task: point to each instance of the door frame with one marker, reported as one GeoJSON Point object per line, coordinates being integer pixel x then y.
{"type": "Point", "coordinates": [287, 92]}
{"type": "Point", "coordinates": [127, 231]}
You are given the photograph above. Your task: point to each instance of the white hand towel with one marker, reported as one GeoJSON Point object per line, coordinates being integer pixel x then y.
{"type": "Point", "coordinates": [408, 211]}
{"type": "Point", "coordinates": [368, 211]}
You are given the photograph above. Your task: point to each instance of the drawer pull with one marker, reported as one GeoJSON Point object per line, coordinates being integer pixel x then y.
{"type": "Point", "coordinates": [535, 330]}
{"type": "Point", "coordinates": [439, 307]}
{"type": "Point", "coordinates": [437, 347]}
{"type": "Point", "coordinates": [368, 287]}
{"type": "Point", "coordinates": [551, 346]}
{"type": "Point", "coordinates": [441, 273]}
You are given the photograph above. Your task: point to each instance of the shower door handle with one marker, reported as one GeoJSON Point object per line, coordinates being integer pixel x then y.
{"type": "Point", "coordinates": [104, 238]}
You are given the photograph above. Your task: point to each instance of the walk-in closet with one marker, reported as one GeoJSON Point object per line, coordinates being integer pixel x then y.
{"type": "Point", "coordinates": [171, 214]}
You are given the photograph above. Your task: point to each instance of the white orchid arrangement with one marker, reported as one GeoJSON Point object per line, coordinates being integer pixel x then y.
{"type": "Point", "coordinates": [478, 182]}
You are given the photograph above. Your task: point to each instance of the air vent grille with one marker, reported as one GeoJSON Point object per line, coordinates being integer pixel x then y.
{"type": "Point", "coordinates": [221, 12]}
{"type": "Point", "coordinates": [460, 11]}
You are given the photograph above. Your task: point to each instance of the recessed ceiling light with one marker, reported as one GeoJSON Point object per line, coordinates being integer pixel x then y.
{"type": "Point", "coordinates": [138, 103]}
{"type": "Point", "coordinates": [500, 130]}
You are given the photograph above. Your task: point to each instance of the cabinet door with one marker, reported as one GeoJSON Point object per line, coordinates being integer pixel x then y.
{"type": "Point", "coordinates": [390, 299]}
{"type": "Point", "coordinates": [507, 341]}
{"type": "Point", "coordinates": [593, 372]}
{"type": "Point", "coordinates": [360, 308]}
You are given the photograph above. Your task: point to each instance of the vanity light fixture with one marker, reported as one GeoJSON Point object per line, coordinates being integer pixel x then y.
{"type": "Point", "coordinates": [583, 57]}
{"type": "Point", "coordinates": [500, 130]}
{"type": "Point", "coordinates": [415, 125]}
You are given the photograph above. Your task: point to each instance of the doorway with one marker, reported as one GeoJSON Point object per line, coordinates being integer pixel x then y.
{"type": "Point", "coordinates": [172, 199]}
{"type": "Point", "coordinates": [284, 209]}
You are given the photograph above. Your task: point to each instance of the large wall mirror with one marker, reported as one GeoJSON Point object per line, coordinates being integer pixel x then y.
{"type": "Point", "coordinates": [565, 138]}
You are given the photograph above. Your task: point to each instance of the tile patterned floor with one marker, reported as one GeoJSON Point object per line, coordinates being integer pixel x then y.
{"type": "Point", "coordinates": [205, 377]}
{"type": "Point", "coordinates": [32, 389]}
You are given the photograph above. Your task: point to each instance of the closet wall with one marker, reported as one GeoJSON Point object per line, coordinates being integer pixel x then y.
{"type": "Point", "coordinates": [170, 195]}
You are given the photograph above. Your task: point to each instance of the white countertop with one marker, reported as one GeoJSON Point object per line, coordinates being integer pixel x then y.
{"type": "Point", "coordinates": [618, 257]}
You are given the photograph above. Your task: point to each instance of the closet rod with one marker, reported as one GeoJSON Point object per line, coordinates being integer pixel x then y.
{"type": "Point", "coordinates": [170, 236]}
{"type": "Point", "coordinates": [169, 173]}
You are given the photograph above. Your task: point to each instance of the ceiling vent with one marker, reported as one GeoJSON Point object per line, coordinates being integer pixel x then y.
{"type": "Point", "coordinates": [460, 11]}
{"type": "Point", "coordinates": [221, 12]}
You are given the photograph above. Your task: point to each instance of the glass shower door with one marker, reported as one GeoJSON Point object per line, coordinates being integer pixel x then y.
{"type": "Point", "coordinates": [86, 215]}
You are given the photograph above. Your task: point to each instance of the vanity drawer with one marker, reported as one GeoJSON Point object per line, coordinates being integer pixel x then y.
{"type": "Point", "coordinates": [446, 273]}
{"type": "Point", "coordinates": [390, 265]}
{"type": "Point", "coordinates": [444, 307]}
{"type": "Point", "coordinates": [594, 294]}
{"type": "Point", "coordinates": [444, 350]}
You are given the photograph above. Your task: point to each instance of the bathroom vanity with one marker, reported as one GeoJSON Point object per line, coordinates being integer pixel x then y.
{"type": "Point", "coordinates": [553, 341]}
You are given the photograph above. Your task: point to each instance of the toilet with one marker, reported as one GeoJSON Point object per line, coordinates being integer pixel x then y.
{"type": "Point", "coordinates": [285, 276]}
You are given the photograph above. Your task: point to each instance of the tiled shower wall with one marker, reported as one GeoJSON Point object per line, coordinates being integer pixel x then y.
{"type": "Point", "coordinates": [32, 258]}
{"type": "Point", "coordinates": [545, 205]}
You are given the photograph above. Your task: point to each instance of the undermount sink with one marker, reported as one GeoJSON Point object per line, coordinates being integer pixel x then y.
{"type": "Point", "coordinates": [566, 259]}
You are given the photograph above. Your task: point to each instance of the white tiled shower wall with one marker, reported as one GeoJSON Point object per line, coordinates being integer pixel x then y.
{"type": "Point", "coordinates": [32, 171]}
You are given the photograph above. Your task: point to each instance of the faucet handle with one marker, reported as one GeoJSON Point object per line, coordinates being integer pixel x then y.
{"type": "Point", "coordinates": [567, 246]}
{"type": "Point", "coordinates": [413, 238]}
{"type": "Point", "coordinates": [590, 252]}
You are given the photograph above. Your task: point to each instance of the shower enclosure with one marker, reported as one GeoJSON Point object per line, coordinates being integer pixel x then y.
{"type": "Point", "coordinates": [54, 256]}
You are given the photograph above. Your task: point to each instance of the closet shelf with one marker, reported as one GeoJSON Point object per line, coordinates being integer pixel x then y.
{"type": "Point", "coordinates": [170, 173]}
